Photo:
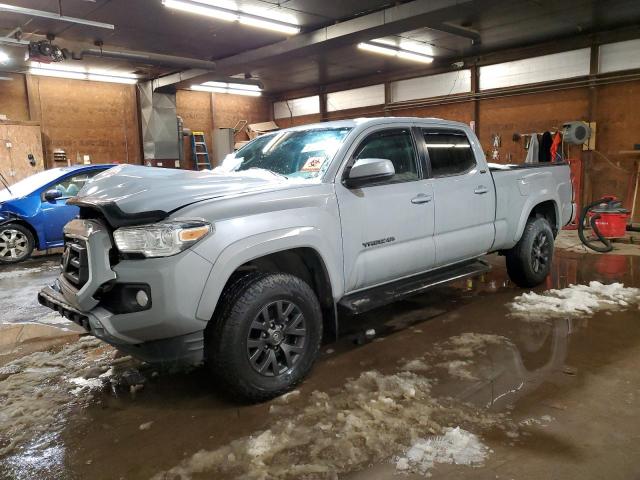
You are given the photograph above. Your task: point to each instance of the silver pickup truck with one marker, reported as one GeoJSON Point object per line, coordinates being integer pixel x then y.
{"type": "Point", "coordinates": [248, 266]}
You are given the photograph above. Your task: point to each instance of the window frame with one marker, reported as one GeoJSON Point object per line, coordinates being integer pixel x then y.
{"type": "Point", "coordinates": [425, 149]}
{"type": "Point", "coordinates": [418, 158]}
{"type": "Point", "coordinates": [92, 171]}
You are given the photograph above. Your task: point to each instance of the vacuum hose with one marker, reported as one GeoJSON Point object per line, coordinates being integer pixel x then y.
{"type": "Point", "coordinates": [607, 244]}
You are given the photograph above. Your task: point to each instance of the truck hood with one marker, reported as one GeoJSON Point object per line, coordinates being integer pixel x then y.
{"type": "Point", "coordinates": [137, 189]}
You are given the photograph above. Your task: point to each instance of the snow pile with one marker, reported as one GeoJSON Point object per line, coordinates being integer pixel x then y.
{"type": "Point", "coordinates": [575, 300]}
{"type": "Point", "coordinates": [468, 344]}
{"type": "Point", "coordinates": [369, 420]}
{"type": "Point", "coordinates": [455, 446]}
{"type": "Point", "coordinates": [459, 369]}
{"type": "Point", "coordinates": [34, 389]}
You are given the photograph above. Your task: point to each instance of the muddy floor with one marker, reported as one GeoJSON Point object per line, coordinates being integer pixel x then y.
{"type": "Point", "coordinates": [472, 380]}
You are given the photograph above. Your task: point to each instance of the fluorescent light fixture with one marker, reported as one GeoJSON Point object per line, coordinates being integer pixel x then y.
{"type": "Point", "coordinates": [78, 73]}
{"type": "Point", "coordinates": [4, 58]}
{"type": "Point", "coordinates": [396, 52]}
{"type": "Point", "coordinates": [233, 91]}
{"type": "Point", "coordinates": [269, 25]}
{"type": "Point", "coordinates": [239, 86]}
{"type": "Point", "coordinates": [201, 7]}
{"type": "Point", "coordinates": [201, 10]}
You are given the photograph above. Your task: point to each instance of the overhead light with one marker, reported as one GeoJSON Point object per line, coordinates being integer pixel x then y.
{"type": "Point", "coordinates": [4, 58]}
{"type": "Point", "coordinates": [79, 73]}
{"type": "Point", "coordinates": [205, 8]}
{"type": "Point", "coordinates": [229, 89]}
{"type": "Point", "coordinates": [268, 25]}
{"type": "Point", "coordinates": [396, 52]}
{"type": "Point", "coordinates": [239, 86]}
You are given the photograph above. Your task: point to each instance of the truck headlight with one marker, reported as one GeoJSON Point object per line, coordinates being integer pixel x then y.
{"type": "Point", "coordinates": [161, 239]}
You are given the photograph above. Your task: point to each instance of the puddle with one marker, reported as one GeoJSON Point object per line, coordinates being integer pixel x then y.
{"type": "Point", "coordinates": [455, 358]}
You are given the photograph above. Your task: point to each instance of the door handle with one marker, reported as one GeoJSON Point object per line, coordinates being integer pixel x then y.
{"type": "Point", "coordinates": [480, 189]}
{"type": "Point", "coordinates": [422, 198]}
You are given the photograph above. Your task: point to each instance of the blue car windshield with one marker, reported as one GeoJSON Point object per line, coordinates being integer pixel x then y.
{"type": "Point", "coordinates": [32, 183]}
{"type": "Point", "coordinates": [296, 154]}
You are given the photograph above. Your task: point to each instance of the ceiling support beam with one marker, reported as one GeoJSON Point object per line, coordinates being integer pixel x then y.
{"type": "Point", "coordinates": [390, 21]}
{"type": "Point", "coordinates": [53, 16]}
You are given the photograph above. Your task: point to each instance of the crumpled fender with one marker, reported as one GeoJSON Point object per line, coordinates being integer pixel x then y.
{"type": "Point", "coordinates": [8, 217]}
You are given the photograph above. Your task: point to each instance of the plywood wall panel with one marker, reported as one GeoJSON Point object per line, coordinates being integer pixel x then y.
{"type": "Point", "coordinates": [536, 112]}
{"type": "Point", "coordinates": [16, 143]}
{"type": "Point", "coordinates": [13, 97]}
{"type": "Point", "coordinates": [195, 110]}
{"type": "Point", "coordinates": [618, 129]}
{"type": "Point", "coordinates": [90, 118]}
{"type": "Point", "coordinates": [229, 109]}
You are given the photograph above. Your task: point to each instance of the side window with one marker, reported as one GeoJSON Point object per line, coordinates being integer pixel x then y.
{"type": "Point", "coordinates": [395, 145]}
{"type": "Point", "coordinates": [70, 186]}
{"type": "Point", "coordinates": [450, 152]}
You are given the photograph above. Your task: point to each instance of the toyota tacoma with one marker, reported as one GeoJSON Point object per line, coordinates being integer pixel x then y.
{"type": "Point", "coordinates": [248, 266]}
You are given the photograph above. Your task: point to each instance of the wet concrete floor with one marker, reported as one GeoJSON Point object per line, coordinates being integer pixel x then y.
{"type": "Point", "coordinates": [552, 397]}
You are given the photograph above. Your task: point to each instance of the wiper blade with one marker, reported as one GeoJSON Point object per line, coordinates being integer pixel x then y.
{"type": "Point", "coordinates": [5, 183]}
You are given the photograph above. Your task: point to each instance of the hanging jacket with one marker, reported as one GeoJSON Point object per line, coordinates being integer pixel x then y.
{"type": "Point", "coordinates": [556, 151]}
{"type": "Point", "coordinates": [532, 153]}
{"type": "Point", "coordinates": [544, 155]}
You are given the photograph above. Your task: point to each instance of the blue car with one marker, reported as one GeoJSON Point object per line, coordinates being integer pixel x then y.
{"type": "Point", "coordinates": [34, 210]}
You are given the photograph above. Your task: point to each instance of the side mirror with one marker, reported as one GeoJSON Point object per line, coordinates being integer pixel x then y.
{"type": "Point", "coordinates": [51, 195]}
{"type": "Point", "coordinates": [369, 170]}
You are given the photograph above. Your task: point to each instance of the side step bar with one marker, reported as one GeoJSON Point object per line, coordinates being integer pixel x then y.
{"type": "Point", "coordinates": [384, 294]}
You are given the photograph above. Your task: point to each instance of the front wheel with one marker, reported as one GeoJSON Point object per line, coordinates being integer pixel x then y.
{"type": "Point", "coordinates": [16, 243]}
{"type": "Point", "coordinates": [529, 262]}
{"type": "Point", "coordinates": [267, 337]}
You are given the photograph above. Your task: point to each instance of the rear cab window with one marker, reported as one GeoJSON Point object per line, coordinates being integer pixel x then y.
{"type": "Point", "coordinates": [449, 152]}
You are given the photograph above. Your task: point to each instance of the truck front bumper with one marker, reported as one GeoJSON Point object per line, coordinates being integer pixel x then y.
{"type": "Point", "coordinates": [166, 331]}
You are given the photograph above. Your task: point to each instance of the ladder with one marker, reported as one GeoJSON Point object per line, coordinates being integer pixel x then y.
{"type": "Point", "coordinates": [199, 151]}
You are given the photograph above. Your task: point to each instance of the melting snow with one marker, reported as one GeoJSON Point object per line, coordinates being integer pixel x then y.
{"type": "Point", "coordinates": [369, 420]}
{"type": "Point", "coordinates": [455, 446]}
{"type": "Point", "coordinates": [575, 300]}
{"type": "Point", "coordinates": [34, 390]}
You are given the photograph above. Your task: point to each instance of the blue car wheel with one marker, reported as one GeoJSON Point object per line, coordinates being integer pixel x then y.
{"type": "Point", "coordinates": [16, 243]}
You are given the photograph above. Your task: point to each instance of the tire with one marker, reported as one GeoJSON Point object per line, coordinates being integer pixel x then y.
{"type": "Point", "coordinates": [529, 261]}
{"type": "Point", "coordinates": [265, 337]}
{"type": "Point", "coordinates": [16, 243]}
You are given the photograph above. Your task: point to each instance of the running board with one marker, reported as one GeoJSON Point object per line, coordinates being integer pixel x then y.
{"type": "Point", "coordinates": [375, 297]}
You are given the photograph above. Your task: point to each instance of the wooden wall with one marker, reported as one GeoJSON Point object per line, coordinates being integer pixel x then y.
{"type": "Point", "coordinates": [13, 97]}
{"type": "Point", "coordinates": [196, 113]}
{"type": "Point", "coordinates": [202, 111]}
{"type": "Point", "coordinates": [17, 141]}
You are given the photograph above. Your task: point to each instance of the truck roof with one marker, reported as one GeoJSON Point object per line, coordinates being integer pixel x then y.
{"type": "Point", "coordinates": [367, 121]}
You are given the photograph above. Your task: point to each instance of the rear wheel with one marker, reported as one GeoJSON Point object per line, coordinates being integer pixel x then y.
{"type": "Point", "coordinates": [267, 336]}
{"type": "Point", "coordinates": [16, 243]}
{"type": "Point", "coordinates": [529, 262]}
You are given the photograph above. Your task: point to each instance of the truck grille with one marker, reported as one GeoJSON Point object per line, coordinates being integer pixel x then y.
{"type": "Point", "coordinates": [75, 265]}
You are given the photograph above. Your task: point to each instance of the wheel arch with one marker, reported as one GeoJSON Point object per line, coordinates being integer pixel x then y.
{"type": "Point", "coordinates": [541, 207]}
{"type": "Point", "coordinates": [304, 258]}
{"type": "Point", "coordinates": [28, 226]}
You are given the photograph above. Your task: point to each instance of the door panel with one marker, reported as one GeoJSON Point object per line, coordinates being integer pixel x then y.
{"type": "Point", "coordinates": [464, 197]}
{"type": "Point", "coordinates": [387, 229]}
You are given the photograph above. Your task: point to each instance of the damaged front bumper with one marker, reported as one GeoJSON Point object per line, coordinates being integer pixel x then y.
{"type": "Point", "coordinates": [92, 293]}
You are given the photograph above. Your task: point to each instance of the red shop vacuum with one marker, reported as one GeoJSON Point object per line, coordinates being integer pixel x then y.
{"type": "Point", "coordinates": [607, 219]}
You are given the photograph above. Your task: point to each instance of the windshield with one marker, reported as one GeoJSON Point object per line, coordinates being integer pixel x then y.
{"type": "Point", "coordinates": [30, 184]}
{"type": "Point", "coordinates": [295, 154]}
